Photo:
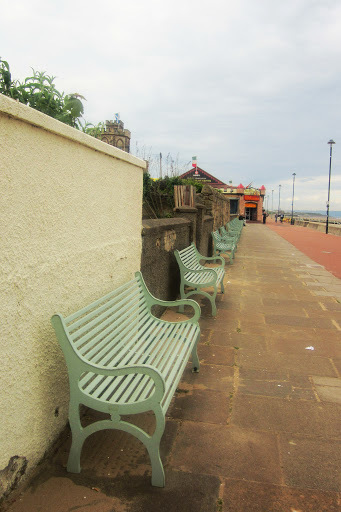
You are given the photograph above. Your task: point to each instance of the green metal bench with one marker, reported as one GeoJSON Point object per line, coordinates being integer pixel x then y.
{"type": "Point", "coordinates": [122, 360]}
{"type": "Point", "coordinates": [229, 235]}
{"type": "Point", "coordinates": [223, 245]}
{"type": "Point", "coordinates": [235, 227]}
{"type": "Point", "coordinates": [196, 276]}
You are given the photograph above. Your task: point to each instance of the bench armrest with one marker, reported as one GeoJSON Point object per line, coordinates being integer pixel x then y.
{"type": "Point", "coordinates": [200, 270]}
{"type": "Point", "coordinates": [177, 303]}
{"type": "Point", "coordinates": [215, 258]}
{"type": "Point", "coordinates": [204, 269]}
{"type": "Point", "coordinates": [153, 301]}
{"type": "Point", "coordinates": [208, 258]}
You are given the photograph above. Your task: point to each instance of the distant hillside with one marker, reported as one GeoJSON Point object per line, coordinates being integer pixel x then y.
{"type": "Point", "coordinates": [319, 213]}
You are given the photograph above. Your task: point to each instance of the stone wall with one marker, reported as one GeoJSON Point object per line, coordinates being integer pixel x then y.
{"type": "Point", "coordinates": [216, 204]}
{"type": "Point", "coordinates": [160, 237]}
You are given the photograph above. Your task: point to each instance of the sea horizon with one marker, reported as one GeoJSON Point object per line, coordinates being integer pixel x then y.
{"type": "Point", "coordinates": [321, 213]}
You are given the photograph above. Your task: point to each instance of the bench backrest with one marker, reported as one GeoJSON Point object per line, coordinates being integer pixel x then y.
{"type": "Point", "coordinates": [235, 225]}
{"type": "Point", "coordinates": [189, 258]}
{"type": "Point", "coordinates": [100, 330]}
{"type": "Point", "coordinates": [216, 236]}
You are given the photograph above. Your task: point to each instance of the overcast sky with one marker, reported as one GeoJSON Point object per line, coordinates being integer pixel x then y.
{"type": "Point", "coordinates": [250, 87]}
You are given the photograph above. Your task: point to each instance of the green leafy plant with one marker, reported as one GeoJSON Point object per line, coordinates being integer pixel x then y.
{"type": "Point", "coordinates": [158, 194]}
{"type": "Point", "coordinates": [5, 78]}
{"type": "Point", "coordinates": [91, 129]}
{"type": "Point", "coordinates": [38, 91]}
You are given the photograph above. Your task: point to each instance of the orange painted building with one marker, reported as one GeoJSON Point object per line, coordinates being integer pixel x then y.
{"type": "Point", "coordinates": [250, 201]}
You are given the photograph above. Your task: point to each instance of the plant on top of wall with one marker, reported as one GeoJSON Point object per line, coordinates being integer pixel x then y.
{"type": "Point", "coordinates": [158, 194]}
{"type": "Point", "coordinates": [39, 92]}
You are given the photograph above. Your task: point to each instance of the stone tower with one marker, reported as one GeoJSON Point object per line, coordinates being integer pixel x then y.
{"type": "Point", "coordinates": [115, 135]}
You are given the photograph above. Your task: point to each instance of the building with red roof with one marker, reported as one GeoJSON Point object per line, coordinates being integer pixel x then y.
{"type": "Point", "coordinates": [204, 177]}
{"type": "Point", "coordinates": [243, 201]}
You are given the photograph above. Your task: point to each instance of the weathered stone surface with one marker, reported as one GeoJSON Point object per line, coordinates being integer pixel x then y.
{"type": "Point", "coordinates": [311, 463]}
{"type": "Point", "coordinates": [278, 415]}
{"type": "Point", "coordinates": [201, 406]}
{"type": "Point", "coordinates": [233, 452]}
{"type": "Point", "coordinates": [246, 496]}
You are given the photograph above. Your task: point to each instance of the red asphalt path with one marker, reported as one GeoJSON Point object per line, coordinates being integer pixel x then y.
{"type": "Point", "coordinates": [322, 248]}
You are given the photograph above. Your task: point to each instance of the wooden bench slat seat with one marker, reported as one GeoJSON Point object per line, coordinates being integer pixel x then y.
{"type": "Point", "coordinates": [196, 276]}
{"type": "Point", "coordinates": [123, 360]}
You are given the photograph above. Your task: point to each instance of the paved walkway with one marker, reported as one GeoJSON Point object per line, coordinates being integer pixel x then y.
{"type": "Point", "coordinates": [322, 248]}
{"type": "Point", "coordinates": [257, 430]}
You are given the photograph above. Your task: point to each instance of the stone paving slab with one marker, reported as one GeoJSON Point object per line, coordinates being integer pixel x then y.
{"type": "Point", "coordinates": [279, 415]}
{"type": "Point", "coordinates": [311, 463]}
{"type": "Point", "coordinates": [247, 496]}
{"type": "Point", "coordinates": [202, 406]}
{"type": "Point", "coordinates": [233, 452]}
{"type": "Point", "coordinates": [275, 361]}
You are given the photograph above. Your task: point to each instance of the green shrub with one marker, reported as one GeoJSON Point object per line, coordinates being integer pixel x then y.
{"type": "Point", "coordinates": [39, 92]}
{"type": "Point", "coordinates": [158, 194]}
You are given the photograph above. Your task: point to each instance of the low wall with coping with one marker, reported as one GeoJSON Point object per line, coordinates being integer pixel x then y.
{"type": "Point", "coordinates": [216, 205]}
{"type": "Point", "coordinates": [160, 238]}
{"type": "Point", "coordinates": [333, 229]}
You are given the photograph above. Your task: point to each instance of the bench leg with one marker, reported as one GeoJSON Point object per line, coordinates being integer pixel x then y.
{"type": "Point", "coordinates": [153, 447]}
{"type": "Point", "coordinates": [182, 296]}
{"type": "Point", "coordinates": [78, 438]}
{"type": "Point", "coordinates": [152, 443]}
{"type": "Point", "coordinates": [195, 360]}
{"type": "Point", "coordinates": [210, 297]}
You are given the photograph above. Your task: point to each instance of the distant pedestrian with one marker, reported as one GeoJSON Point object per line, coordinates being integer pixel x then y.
{"type": "Point", "coordinates": [264, 217]}
{"type": "Point", "coordinates": [276, 217]}
{"type": "Point", "coordinates": [282, 217]}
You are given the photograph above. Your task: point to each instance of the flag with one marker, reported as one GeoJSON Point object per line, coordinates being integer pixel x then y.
{"type": "Point", "coordinates": [194, 161]}
{"type": "Point", "coordinates": [117, 117]}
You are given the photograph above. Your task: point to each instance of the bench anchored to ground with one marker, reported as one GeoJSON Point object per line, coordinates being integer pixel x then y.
{"type": "Point", "coordinates": [196, 276]}
{"type": "Point", "coordinates": [122, 360]}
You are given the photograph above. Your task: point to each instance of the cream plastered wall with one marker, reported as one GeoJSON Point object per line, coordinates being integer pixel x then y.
{"type": "Point", "coordinates": [70, 228]}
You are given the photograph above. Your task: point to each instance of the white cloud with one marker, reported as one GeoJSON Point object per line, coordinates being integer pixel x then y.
{"type": "Point", "coordinates": [251, 88]}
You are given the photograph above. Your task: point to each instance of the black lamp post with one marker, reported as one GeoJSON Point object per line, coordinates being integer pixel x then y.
{"type": "Point", "coordinates": [292, 204]}
{"type": "Point", "coordinates": [331, 142]}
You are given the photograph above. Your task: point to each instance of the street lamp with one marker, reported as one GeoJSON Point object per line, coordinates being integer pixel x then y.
{"type": "Point", "coordinates": [279, 198]}
{"type": "Point", "coordinates": [331, 142]}
{"type": "Point", "coordinates": [293, 193]}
